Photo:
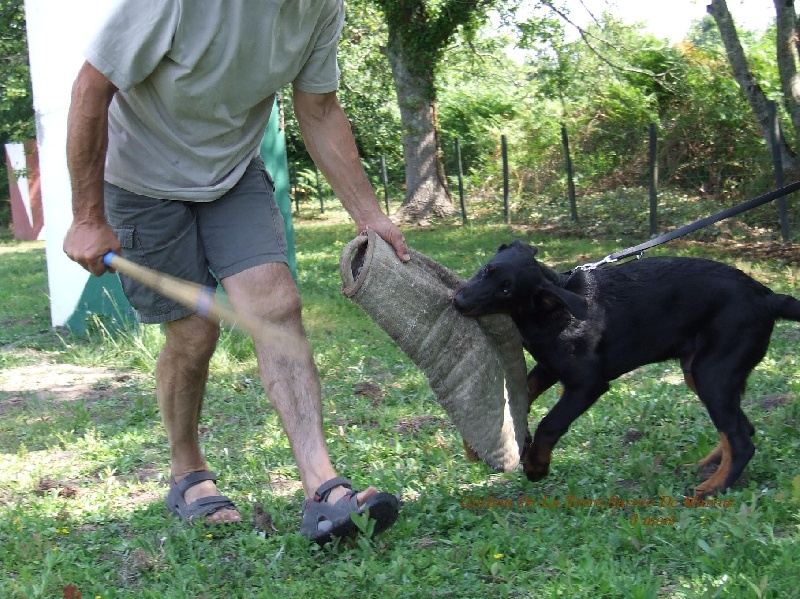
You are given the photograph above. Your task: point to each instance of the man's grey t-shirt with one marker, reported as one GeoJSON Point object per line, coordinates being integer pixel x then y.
{"type": "Point", "coordinates": [197, 80]}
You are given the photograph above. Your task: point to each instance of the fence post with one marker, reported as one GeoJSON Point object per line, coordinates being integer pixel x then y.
{"type": "Point", "coordinates": [385, 178]}
{"type": "Point", "coordinates": [777, 165]}
{"type": "Point", "coordinates": [573, 207]}
{"type": "Point", "coordinates": [504, 148]}
{"type": "Point", "coordinates": [319, 191]}
{"type": "Point", "coordinates": [460, 182]}
{"type": "Point", "coordinates": [653, 175]}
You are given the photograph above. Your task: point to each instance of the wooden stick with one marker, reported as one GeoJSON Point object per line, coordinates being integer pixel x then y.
{"type": "Point", "coordinates": [197, 297]}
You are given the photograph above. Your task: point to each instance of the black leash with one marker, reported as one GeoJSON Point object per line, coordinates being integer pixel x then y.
{"type": "Point", "coordinates": [638, 250]}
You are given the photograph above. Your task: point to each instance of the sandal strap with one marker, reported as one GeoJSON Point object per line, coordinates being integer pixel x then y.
{"type": "Point", "coordinates": [325, 488]}
{"type": "Point", "coordinates": [205, 506]}
{"type": "Point", "coordinates": [194, 478]}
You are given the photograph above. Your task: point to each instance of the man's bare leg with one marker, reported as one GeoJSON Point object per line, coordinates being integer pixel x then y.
{"type": "Point", "coordinates": [286, 365]}
{"type": "Point", "coordinates": [181, 374]}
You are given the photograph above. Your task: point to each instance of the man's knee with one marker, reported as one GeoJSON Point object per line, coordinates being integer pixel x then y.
{"type": "Point", "coordinates": [267, 292]}
{"type": "Point", "coordinates": [286, 305]}
{"type": "Point", "coordinates": [193, 335]}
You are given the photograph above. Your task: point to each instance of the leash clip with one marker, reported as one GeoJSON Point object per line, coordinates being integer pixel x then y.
{"type": "Point", "coordinates": [610, 259]}
{"type": "Point", "coordinates": [594, 265]}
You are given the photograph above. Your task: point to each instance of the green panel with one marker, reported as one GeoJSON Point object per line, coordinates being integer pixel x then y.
{"type": "Point", "coordinates": [102, 299]}
{"type": "Point", "coordinates": [273, 153]}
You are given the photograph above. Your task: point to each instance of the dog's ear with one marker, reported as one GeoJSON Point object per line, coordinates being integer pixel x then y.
{"type": "Point", "coordinates": [576, 304]}
{"type": "Point", "coordinates": [532, 250]}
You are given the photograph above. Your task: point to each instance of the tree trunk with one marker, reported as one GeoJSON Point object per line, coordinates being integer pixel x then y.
{"type": "Point", "coordinates": [786, 52]}
{"type": "Point", "coordinates": [718, 9]}
{"type": "Point", "coordinates": [427, 193]}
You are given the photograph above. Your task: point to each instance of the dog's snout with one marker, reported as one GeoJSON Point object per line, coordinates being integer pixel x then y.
{"type": "Point", "coordinates": [458, 300]}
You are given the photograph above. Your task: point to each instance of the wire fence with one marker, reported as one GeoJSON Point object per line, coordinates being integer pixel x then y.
{"type": "Point", "coordinates": [517, 194]}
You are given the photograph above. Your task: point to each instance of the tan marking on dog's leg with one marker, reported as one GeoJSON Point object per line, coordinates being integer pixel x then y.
{"type": "Point", "coordinates": [534, 391]}
{"type": "Point", "coordinates": [716, 482]}
{"type": "Point", "coordinates": [713, 458]}
{"type": "Point", "coordinates": [689, 379]}
{"type": "Point", "coordinates": [469, 452]}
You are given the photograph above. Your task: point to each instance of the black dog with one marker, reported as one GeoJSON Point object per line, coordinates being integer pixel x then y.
{"type": "Point", "coordinates": [586, 328]}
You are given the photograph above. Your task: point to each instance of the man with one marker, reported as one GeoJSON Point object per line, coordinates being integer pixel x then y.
{"type": "Point", "coordinates": [164, 127]}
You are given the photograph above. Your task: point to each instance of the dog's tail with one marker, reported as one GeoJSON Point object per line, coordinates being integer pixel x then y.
{"type": "Point", "coordinates": [785, 306]}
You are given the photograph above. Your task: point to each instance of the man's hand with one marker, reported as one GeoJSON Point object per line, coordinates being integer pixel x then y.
{"type": "Point", "coordinates": [389, 232]}
{"type": "Point", "coordinates": [87, 243]}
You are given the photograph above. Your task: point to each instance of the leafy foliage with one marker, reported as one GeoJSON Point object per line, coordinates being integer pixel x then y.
{"type": "Point", "coordinates": [366, 93]}
{"type": "Point", "coordinates": [426, 27]}
{"type": "Point", "coordinates": [16, 103]}
{"type": "Point", "coordinates": [16, 109]}
{"type": "Point", "coordinates": [612, 88]}
{"type": "Point", "coordinates": [482, 92]}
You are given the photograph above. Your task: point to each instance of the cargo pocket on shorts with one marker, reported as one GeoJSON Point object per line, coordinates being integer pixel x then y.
{"type": "Point", "coordinates": [147, 302]}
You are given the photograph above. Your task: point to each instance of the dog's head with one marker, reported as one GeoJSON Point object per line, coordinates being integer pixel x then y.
{"type": "Point", "coordinates": [510, 282]}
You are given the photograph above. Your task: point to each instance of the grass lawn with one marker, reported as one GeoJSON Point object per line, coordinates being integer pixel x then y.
{"type": "Point", "coordinates": [83, 459]}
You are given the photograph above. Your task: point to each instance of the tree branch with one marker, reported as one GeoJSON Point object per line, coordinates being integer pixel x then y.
{"type": "Point", "coordinates": [588, 38]}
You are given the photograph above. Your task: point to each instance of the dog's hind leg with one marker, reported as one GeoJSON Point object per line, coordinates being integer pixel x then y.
{"type": "Point", "coordinates": [715, 457]}
{"type": "Point", "coordinates": [574, 402]}
{"type": "Point", "coordinates": [720, 388]}
{"type": "Point", "coordinates": [735, 450]}
{"type": "Point", "coordinates": [686, 367]}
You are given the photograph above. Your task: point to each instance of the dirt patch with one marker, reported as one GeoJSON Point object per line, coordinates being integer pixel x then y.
{"type": "Point", "coordinates": [770, 402]}
{"type": "Point", "coordinates": [414, 424]}
{"type": "Point", "coordinates": [56, 383]}
{"type": "Point", "coordinates": [632, 436]}
{"type": "Point", "coordinates": [61, 488]}
{"type": "Point", "coordinates": [369, 390]}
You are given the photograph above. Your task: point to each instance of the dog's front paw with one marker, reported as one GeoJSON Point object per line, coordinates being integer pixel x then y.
{"type": "Point", "coordinates": [536, 472]}
{"type": "Point", "coordinates": [535, 465]}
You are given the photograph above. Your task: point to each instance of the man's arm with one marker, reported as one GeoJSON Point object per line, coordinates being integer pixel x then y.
{"type": "Point", "coordinates": [329, 139]}
{"type": "Point", "coordinates": [89, 237]}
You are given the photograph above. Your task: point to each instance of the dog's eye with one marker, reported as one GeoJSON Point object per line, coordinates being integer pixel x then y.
{"type": "Point", "coordinates": [505, 289]}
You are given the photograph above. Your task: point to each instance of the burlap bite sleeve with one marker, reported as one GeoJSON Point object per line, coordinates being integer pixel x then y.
{"type": "Point", "coordinates": [475, 367]}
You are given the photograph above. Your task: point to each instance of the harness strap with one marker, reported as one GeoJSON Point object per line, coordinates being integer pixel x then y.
{"type": "Point", "coordinates": [638, 250]}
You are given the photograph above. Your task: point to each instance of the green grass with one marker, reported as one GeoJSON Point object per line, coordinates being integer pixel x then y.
{"type": "Point", "coordinates": [82, 467]}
